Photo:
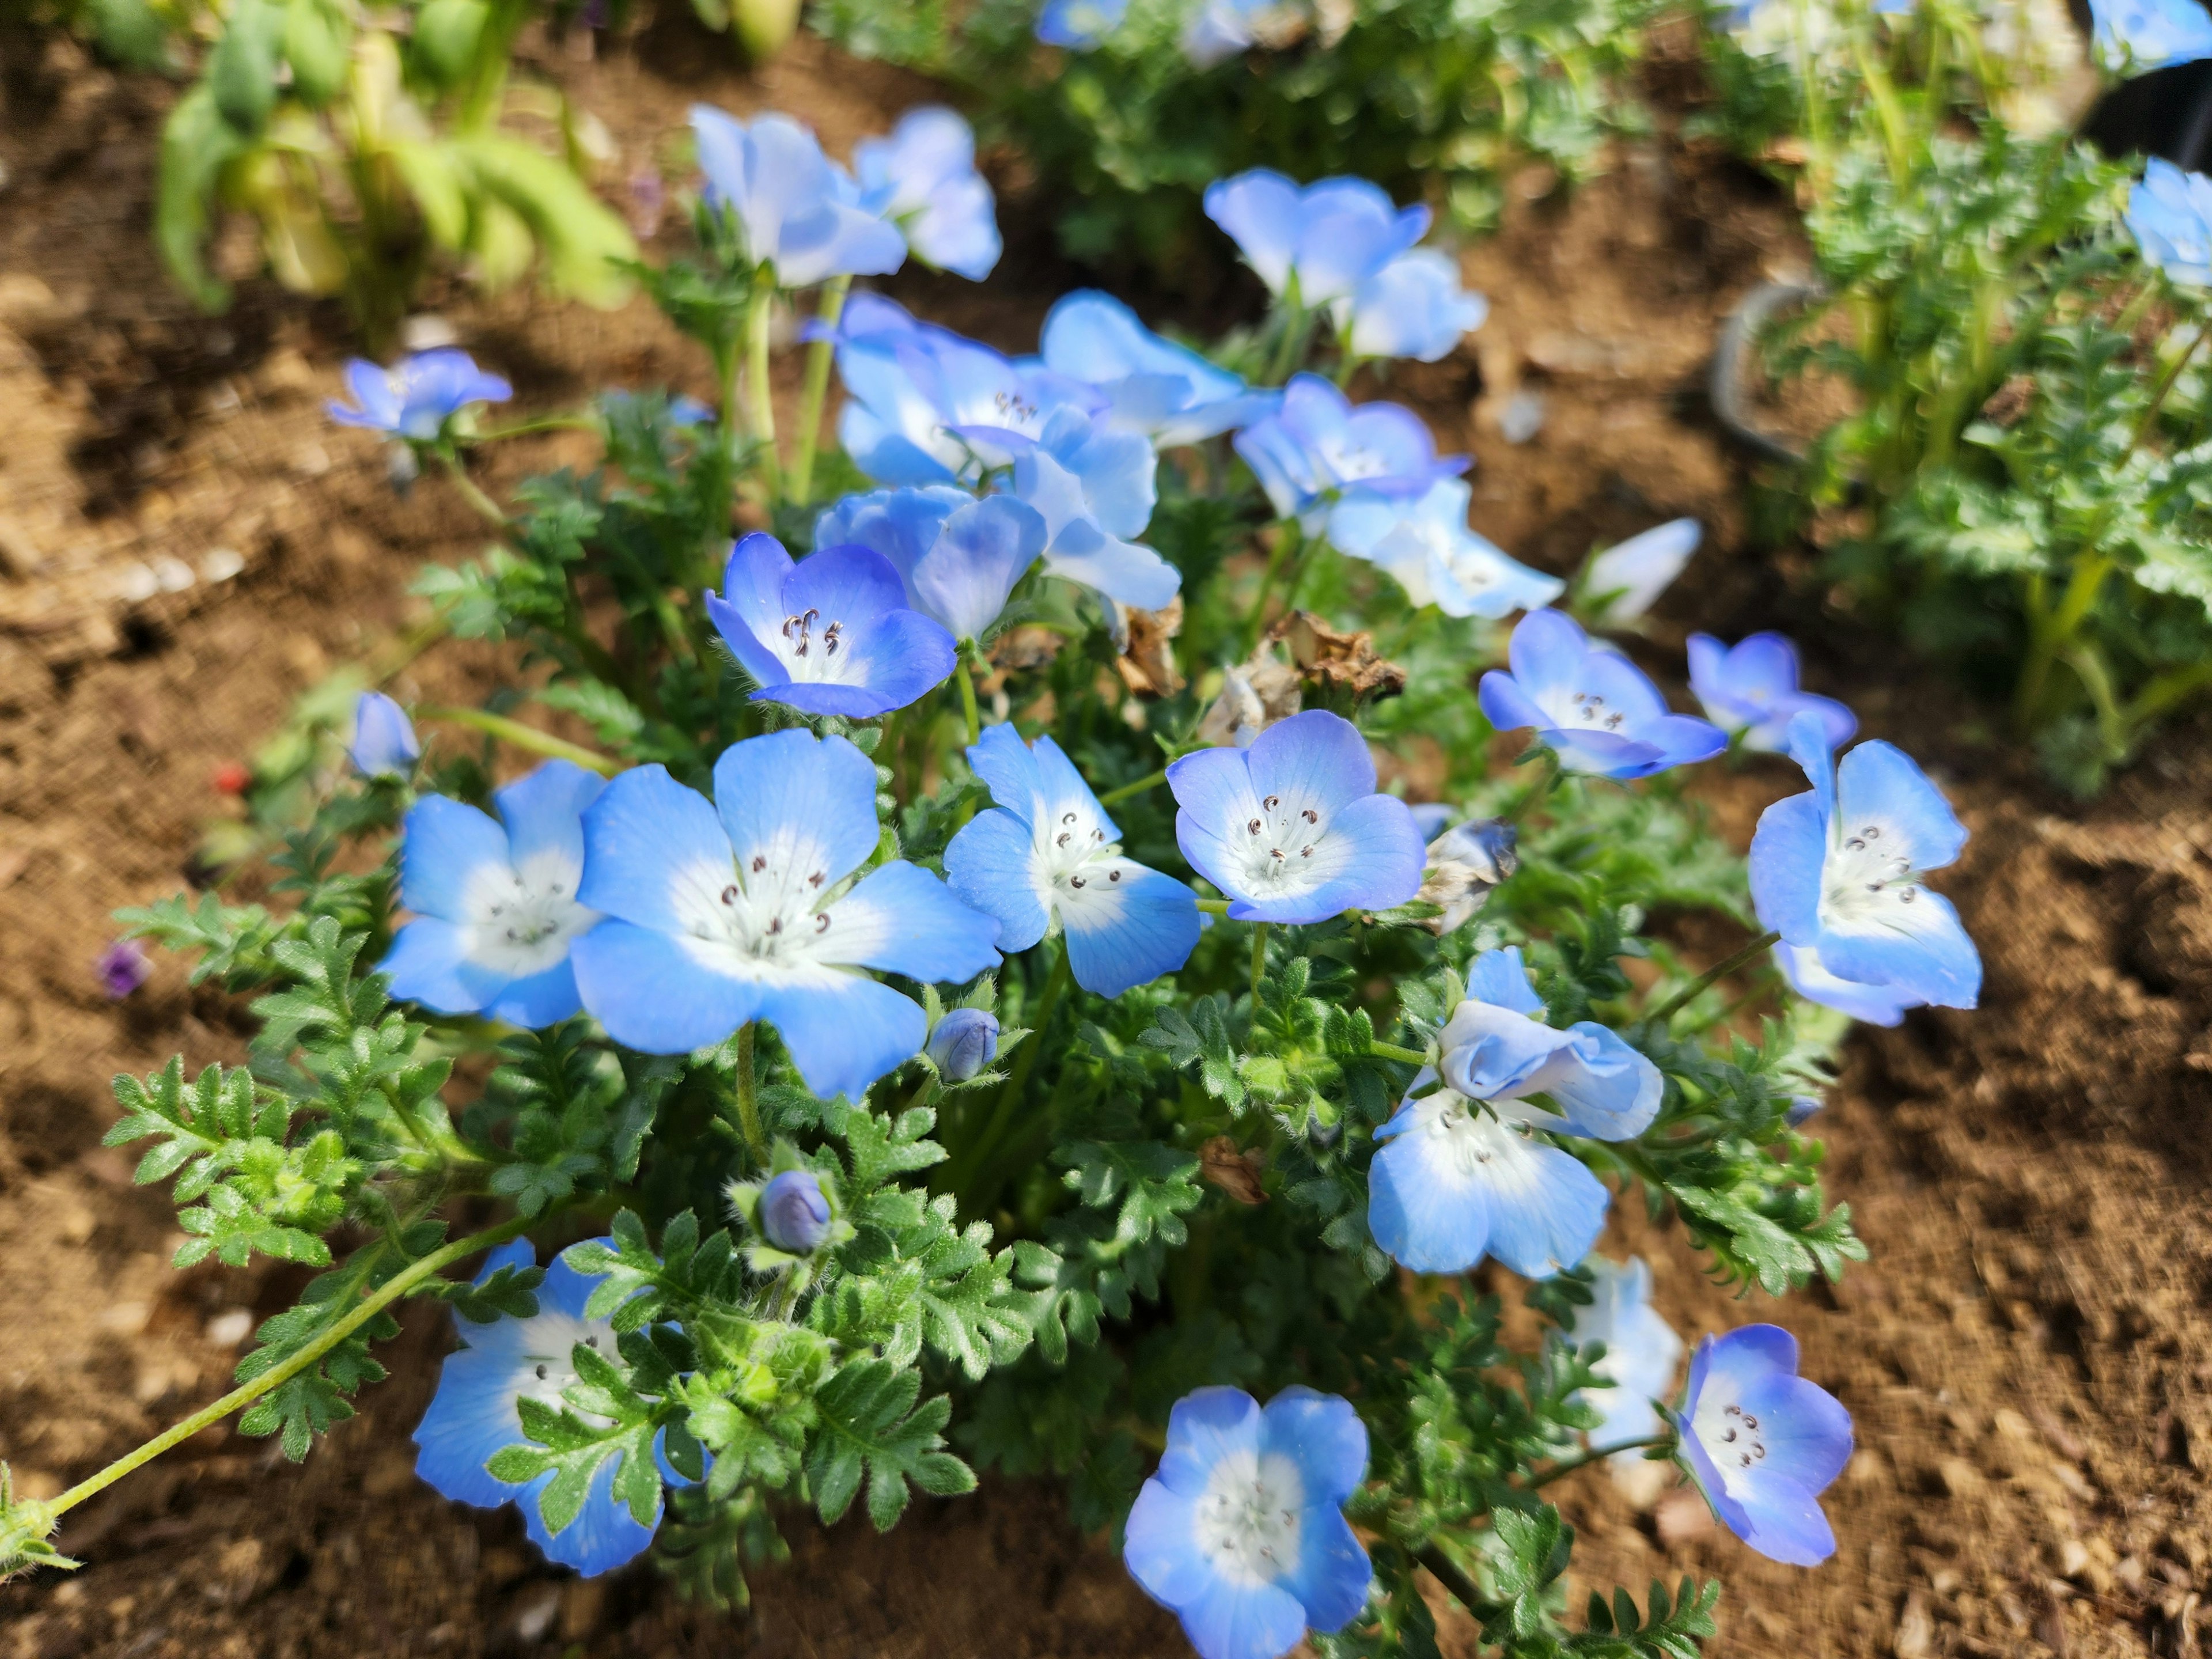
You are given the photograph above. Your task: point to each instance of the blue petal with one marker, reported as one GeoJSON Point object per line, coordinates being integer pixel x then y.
{"type": "Point", "coordinates": [1788, 851]}
{"type": "Point", "coordinates": [1261, 210]}
{"type": "Point", "coordinates": [901, 525]}
{"type": "Point", "coordinates": [1546, 1209]}
{"type": "Point", "coordinates": [853, 585]}
{"type": "Point", "coordinates": [903, 920]}
{"type": "Point", "coordinates": [1548, 652]}
{"type": "Point", "coordinates": [749, 609]}
{"type": "Point", "coordinates": [1808, 975]}
{"type": "Point", "coordinates": [903, 655]}
{"type": "Point", "coordinates": [1681, 740]}
{"type": "Point", "coordinates": [654, 996]}
{"type": "Point", "coordinates": [1128, 932]}
{"type": "Point", "coordinates": [1806, 739]}
{"type": "Point", "coordinates": [1806, 1430]}
{"type": "Point", "coordinates": [1316, 756]}
{"type": "Point", "coordinates": [1383, 860]}
{"type": "Point", "coordinates": [1333, 1575]}
{"type": "Point", "coordinates": [1243, 1621]}
{"type": "Point", "coordinates": [991, 866]}
{"type": "Point", "coordinates": [1214, 789]}
{"type": "Point", "coordinates": [985, 547]}
{"type": "Point", "coordinates": [645, 834]}
{"type": "Point", "coordinates": [844, 1030]}
{"type": "Point", "coordinates": [1205, 1426]}
{"type": "Point", "coordinates": [1424, 1212]}
{"type": "Point", "coordinates": [1925, 952]}
{"type": "Point", "coordinates": [539, 999]}
{"type": "Point", "coordinates": [1506, 706]}
{"type": "Point", "coordinates": [565, 1290]}
{"type": "Point", "coordinates": [1323, 1436]}
{"type": "Point", "coordinates": [1490, 1052]}
{"type": "Point", "coordinates": [1009, 770]}
{"type": "Point", "coordinates": [1159, 1545]}
{"type": "Point", "coordinates": [1128, 571]}
{"type": "Point", "coordinates": [429, 964]}
{"type": "Point", "coordinates": [1879, 783]}
{"type": "Point", "coordinates": [1627, 690]}
{"type": "Point", "coordinates": [445, 847]}
{"type": "Point", "coordinates": [1783, 1522]}
{"type": "Point", "coordinates": [471, 1416]}
{"type": "Point", "coordinates": [1499, 978]}
{"type": "Point", "coordinates": [806, 804]}
{"type": "Point", "coordinates": [1700, 1462]}
{"type": "Point", "coordinates": [1603, 1088]}
{"type": "Point", "coordinates": [1062, 790]}
{"type": "Point", "coordinates": [543, 813]}
{"type": "Point", "coordinates": [604, 1535]}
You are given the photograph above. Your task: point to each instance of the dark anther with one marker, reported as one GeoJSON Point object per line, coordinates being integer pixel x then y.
{"type": "Point", "coordinates": [1253, 827]}
{"type": "Point", "coordinates": [730, 894]}
{"type": "Point", "coordinates": [1311, 816]}
{"type": "Point", "coordinates": [1075, 881]}
{"type": "Point", "coordinates": [1272, 802]}
{"type": "Point", "coordinates": [760, 862]}
{"type": "Point", "coordinates": [541, 1373]}
{"type": "Point", "coordinates": [814, 880]}
{"type": "Point", "coordinates": [1061, 840]}
{"type": "Point", "coordinates": [776, 924]}
{"type": "Point", "coordinates": [1067, 817]}
{"type": "Point", "coordinates": [822, 922]}
{"type": "Point", "coordinates": [1113, 875]}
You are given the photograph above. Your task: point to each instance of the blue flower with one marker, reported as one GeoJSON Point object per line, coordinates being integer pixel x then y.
{"type": "Point", "coordinates": [1167, 391]}
{"type": "Point", "coordinates": [1291, 829]}
{"type": "Point", "coordinates": [1412, 307]}
{"type": "Point", "coordinates": [966, 1040]}
{"type": "Point", "coordinates": [959, 557]}
{"type": "Point", "coordinates": [1242, 1531]}
{"type": "Point", "coordinates": [1751, 688]}
{"type": "Point", "coordinates": [923, 179]}
{"type": "Point", "coordinates": [1876, 1005]}
{"type": "Point", "coordinates": [474, 1415]}
{"type": "Point", "coordinates": [1095, 487]}
{"type": "Point", "coordinates": [831, 634]}
{"type": "Point", "coordinates": [1428, 549]}
{"type": "Point", "coordinates": [1317, 445]}
{"type": "Point", "coordinates": [2170, 212]}
{"type": "Point", "coordinates": [799, 211]}
{"type": "Point", "coordinates": [1314, 244]}
{"type": "Point", "coordinates": [1079, 24]}
{"type": "Point", "coordinates": [384, 742]}
{"type": "Point", "coordinates": [2137, 36]}
{"type": "Point", "coordinates": [793, 1213]}
{"type": "Point", "coordinates": [1641, 1353]}
{"type": "Point", "coordinates": [416, 396]}
{"type": "Point", "coordinates": [1464, 1175]}
{"type": "Point", "coordinates": [1465, 863]}
{"type": "Point", "coordinates": [1592, 708]}
{"type": "Point", "coordinates": [496, 911]}
{"type": "Point", "coordinates": [1047, 856]}
{"type": "Point", "coordinates": [1839, 872]}
{"type": "Point", "coordinates": [740, 908]}
{"type": "Point", "coordinates": [1218, 29]}
{"type": "Point", "coordinates": [1763, 1443]}
{"type": "Point", "coordinates": [1620, 583]}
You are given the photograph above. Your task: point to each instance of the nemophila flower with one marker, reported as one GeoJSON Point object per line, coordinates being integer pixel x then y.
{"type": "Point", "coordinates": [1427, 548]}
{"type": "Point", "coordinates": [122, 968]}
{"type": "Point", "coordinates": [1046, 856]}
{"type": "Point", "coordinates": [1241, 1531]}
{"type": "Point", "coordinates": [1317, 445]}
{"type": "Point", "coordinates": [831, 634]}
{"type": "Point", "coordinates": [1291, 828]}
{"type": "Point", "coordinates": [923, 179]}
{"type": "Point", "coordinates": [1763, 1443]}
{"type": "Point", "coordinates": [384, 744]}
{"type": "Point", "coordinates": [1641, 1353]}
{"type": "Point", "coordinates": [1592, 708]}
{"type": "Point", "coordinates": [744, 907]}
{"type": "Point", "coordinates": [1079, 24]}
{"type": "Point", "coordinates": [1619, 584]}
{"type": "Point", "coordinates": [2170, 212]}
{"type": "Point", "coordinates": [1465, 1173]}
{"type": "Point", "coordinates": [1806, 975]}
{"type": "Point", "coordinates": [1465, 863]}
{"type": "Point", "coordinates": [797, 210]}
{"type": "Point", "coordinates": [2149, 34]}
{"type": "Point", "coordinates": [959, 557]}
{"type": "Point", "coordinates": [793, 1213]}
{"type": "Point", "coordinates": [1315, 243]}
{"type": "Point", "coordinates": [1095, 489]}
{"type": "Point", "coordinates": [474, 1414]}
{"type": "Point", "coordinates": [1167, 391]}
{"type": "Point", "coordinates": [416, 396]}
{"type": "Point", "coordinates": [495, 905]}
{"type": "Point", "coordinates": [966, 1040]}
{"type": "Point", "coordinates": [1751, 688]}
{"type": "Point", "coordinates": [1839, 872]}
{"type": "Point", "coordinates": [1413, 307]}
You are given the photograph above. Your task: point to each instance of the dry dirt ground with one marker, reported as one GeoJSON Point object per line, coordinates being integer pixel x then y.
{"type": "Point", "coordinates": [184, 545]}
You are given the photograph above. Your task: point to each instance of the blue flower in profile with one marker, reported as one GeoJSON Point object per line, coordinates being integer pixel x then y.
{"type": "Point", "coordinates": [1241, 1531]}
{"type": "Point", "coordinates": [1751, 688]}
{"type": "Point", "coordinates": [1079, 24]}
{"type": "Point", "coordinates": [1641, 1353]}
{"type": "Point", "coordinates": [2136, 35]}
{"type": "Point", "coordinates": [831, 634]}
{"type": "Point", "coordinates": [1292, 829]}
{"type": "Point", "coordinates": [1806, 975]}
{"type": "Point", "coordinates": [966, 1040]}
{"type": "Point", "coordinates": [384, 744]}
{"type": "Point", "coordinates": [1317, 243]}
{"type": "Point", "coordinates": [1317, 446]}
{"type": "Point", "coordinates": [474, 1415]}
{"type": "Point", "coordinates": [1592, 708]}
{"type": "Point", "coordinates": [923, 179]}
{"type": "Point", "coordinates": [1047, 858]}
{"type": "Point", "coordinates": [1427, 547]}
{"type": "Point", "coordinates": [2170, 212]}
{"type": "Point", "coordinates": [744, 907]}
{"type": "Point", "coordinates": [496, 908]}
{"type": "Point", "coordinates": [798, 211]}
{"type": "Point", "coordinates": [1466, 1173]}
{"type": "Point", "coordinates": [1166, 391]}
{"type": "Point", "coordinates": [1839, 872]}
{"type": "Point", "coordinates": [1095, 489]}
{"type": "Point", "coordinates": [1414, 307]}
{"type": "Point", "coordinates": [1620, 583]}
{"type": "Point", "coordinates": [415, 398]}
{"type": "Point", "coordinates": [959, 557]}
{"type": "Point", "coordinates": [1763, 1443]}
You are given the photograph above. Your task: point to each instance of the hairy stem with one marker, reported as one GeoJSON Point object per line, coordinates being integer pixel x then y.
{"type": "Point", "coordinates": [1259, 960]}
{"type": "Point", "coordinates": [967, 707]}
{"type": "Point", "coordinates": [977, 1154]}
{"type": "Point", "coordinates": [749, 1116]}
{"type": "Point", "coordinates": [523, 737]}
{"type": "Point", "coordinates": [759, 394]}
{"type": "Point", "coordinates": [817, 388]}
{"type": "Point", "coordinates": [1594, 1454]}
{"type": "Point", "coordinates": [1712, 975]}
{"type": "Point", "coordinates": [486, 508]}
{"type": "Point", "coordinates": [1447, 1573]}
{"type": "Point", "coordinates": [1397, 1052]}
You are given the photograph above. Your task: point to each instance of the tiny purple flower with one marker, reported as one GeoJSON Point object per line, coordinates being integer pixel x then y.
{"type": "Point", "coordinates": [1751, 688]}
{"type": "Point", "coordinates": [122, 968]}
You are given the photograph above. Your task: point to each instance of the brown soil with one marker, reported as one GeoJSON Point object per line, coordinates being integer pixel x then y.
{"type": "Point", "coordinates": [2025, 1357]}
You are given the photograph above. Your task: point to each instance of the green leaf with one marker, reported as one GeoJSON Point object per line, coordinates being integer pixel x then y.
{"type": "Point", "coordinates": [871, 1426]}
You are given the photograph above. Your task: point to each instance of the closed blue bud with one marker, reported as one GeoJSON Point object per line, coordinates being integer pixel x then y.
{"type": "Point", "coordinates": [384, 742]}
{"type": "Point", "coordinates": [794, 1212]}
{"type": "Point", "coordinates": [964, 1042]}
{"type": "Point", "coordinates": [1802, 1108]}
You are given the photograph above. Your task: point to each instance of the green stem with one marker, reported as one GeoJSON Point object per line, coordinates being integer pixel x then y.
{"type": "Point", "coordinates": [967, 707]}
{"type": "Point", "coordinates": [523, 737]}
{"type": "Point", "coordinates": [749, 1116]}
{"type": "Point", "coordinates": [1398, 1052]}
{"type": "Point", "coordinates": [544, 424]}
{"type": "Point", "coordinates": [1259, 959]}
{"type": "Point", "coordinates": [1214, 907]}
{"type": "Point", "coordinates": [1447, 1573]}
{"type": "Point", "coordinates": [1596, 1453]}
{"type": "Point", "coordinates": [1297, 327]}
{"type": "Point", "coordinates": [377, 1300]}
{"type": "Point", "coordinates": [1537, 792]}
{"type": "Point", "coordinates": [759, 392]}
{"type": "Point", "coordinates": [486, 508]}
{"type": "Point", "coordinates": [1287, 546]}
{"type": "Point", "coordinates": [1712, 975]}
{"type": "Point", "coordinates": [2055, 634]}
{"type": "Point", "coordinates": [1150, 781]}
{"type": "Point", "coordinates": [817, 389]}
{"type": "Point", "coordinates": [2164, 691]}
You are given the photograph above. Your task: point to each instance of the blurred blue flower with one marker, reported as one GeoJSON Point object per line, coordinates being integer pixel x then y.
{"type": "Point", "coordinates": [686, 411]}
{"type": "Point", "coordinates": [740, 908]}
{"type": "Point", "coordinates": [1046, 857]}
{"type": "Point", "coordinates": [1620, 583]}
{"type": "Point", "coordinates": [1292, 829]}
{"type": "Point", "coordinates": [959, 557]}
{"type": "Point", "coordinates": [966, 1040]}
{"type": "Point", "coordinates": [1751, 688]}
{"type": "Point", "coordinates": [384, 744]}
{"type": "Point", "coordinates": [1079, 24]}
{"type": "Point", "coordinates": [1313, 244]}
{"type": "Point", "coordinates": [1763, 1443]}
{"type": "Point", "coordinates": [1219, 29]}
{"type": "Point", "coordinates": [1428, 549]}
{"type": "Point", "coordinates": [793, 1213]}
{"type": "Point", "coordinates": [1317, 446]}
{"type": "Point", "coordinates": [923, 179]}
{"type": "Point", "coordinates": [1592, 708]}
{"type": "Point", "coordinates": [1839, 872]}
{"type": "Point", "coordinates": [494, 900]}
{"type": "Point", "coordinates": [831, 634]}
{"type": "Point", "coordinates": [1167, 391]}
{"type": "Point", "coordinates": [1413, 307]}
{"type": "Point", "coordinates": [416, 396]}
{"type": "Point", "coordinates": [1641, 1353]}
{"type": "Point", "coordinates": [2170, 212]}
{"type": "Point", "coordinates": [2138, 36]}
{"type": "Point", "coordinates": [799, 211]}
{"type": "Point", "coordinates": [1465, 863]}
{"type": "Point", "coordinates": [1095, 489]}
{"type": "Point", "coordinates": [1241, 1532]}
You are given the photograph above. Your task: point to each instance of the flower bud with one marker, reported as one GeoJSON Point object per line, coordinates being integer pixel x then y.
{"type": "Point", "coordinates": [964, 1042]}
{"type": "Point", "coordinates": [384, 742]}
{"type": "Point", "coordinates": [1801, 1107]}
{"type": "Point", "coordinates": [1464, 864]}
{"type": "Point", "coordinates": [794, 1212]}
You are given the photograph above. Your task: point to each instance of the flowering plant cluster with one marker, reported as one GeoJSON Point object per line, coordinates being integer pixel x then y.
{"type": "Point", "coordinates": [994, 988]}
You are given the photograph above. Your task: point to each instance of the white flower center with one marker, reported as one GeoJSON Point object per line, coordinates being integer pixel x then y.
{"type": "Point", "coordinates": [770, 907]}
{"type": "Point", "coordinates": [1581, 711]}
{"type": "Point", "coordinates": [1285, 846]}
{"type": "Point", "coordinates": [1465, 1139]}
{"type": "Point", "coordinates": [1077, 868]}
{"type": "Point", "coordinates": [1247, 1519]}
{"type": "Point", "coordinates": [522, 918]}
{"type": "Point", "coordinates": [548, 1361]}
{"type": "Point", "coordinates": [816, 649]}
{"type": "Point", "coordinates": [1732, 1436]}
{"type": "Point", "coordinates": [1868, 881]}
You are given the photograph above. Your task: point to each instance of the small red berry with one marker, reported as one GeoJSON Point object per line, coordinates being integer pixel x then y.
{"type": "Point", "coordinates": [232, 778]}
